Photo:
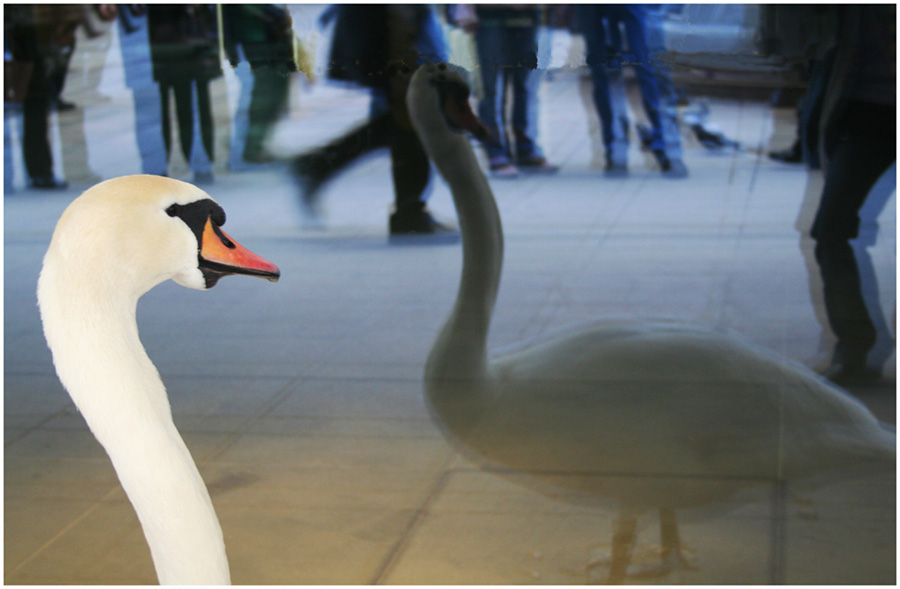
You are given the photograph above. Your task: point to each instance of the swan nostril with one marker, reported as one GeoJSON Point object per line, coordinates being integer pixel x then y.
{"type": "Point", "coordinates": [221, 235]}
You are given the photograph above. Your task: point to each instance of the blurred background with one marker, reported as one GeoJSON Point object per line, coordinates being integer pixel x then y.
{"type": "Point", "coordinates": [659, 160]}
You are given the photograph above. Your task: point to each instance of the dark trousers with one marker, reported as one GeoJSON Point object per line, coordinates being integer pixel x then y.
{"type": "Point", "coordinates": [184, 113]}
{"type": "Point", "coordinates": [388, 127]}
{"type": "Point", "coordinates": [267, 103]}
{"type": "Point", "coordinates": [507, 56]}
{"type": "Point", "coordinates": [36, 103]}
{"type": "Point", "coordinates": [863, 147]}
{"type": "Point", "coordinates": [594, 19]}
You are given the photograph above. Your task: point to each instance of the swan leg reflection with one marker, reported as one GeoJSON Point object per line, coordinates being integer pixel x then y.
{"type": "Point", "coordinates": [619, 560]}
{"type": "Point", "coordinates": [623, 544]}
{"type": "Point", "coordinates": [671, 542]}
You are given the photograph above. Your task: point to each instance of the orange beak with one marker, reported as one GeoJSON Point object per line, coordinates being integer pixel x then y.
{"type": "Point", "coordinates": [459, 114]}
{"type": "Point", "coordinates": [220, 256]}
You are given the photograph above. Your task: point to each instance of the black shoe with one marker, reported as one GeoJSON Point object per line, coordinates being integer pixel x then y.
{"type": "Point", "coordinates": [852, 375]}
{"type": "Point", "coordinates": [204, 178]}
{"type": "Point", "coordinates": [416, 223]}
{"type": "Point", "coordinates": [536, 164]}
{"type": "Point", "coordinates": [665, 164]}
{"type": "Point", "coordinates": [615, 169]}
{"type": "Point", "coordinates": [645, 135]}
{"type": "Point", "coordinates": [677, 169]}
{"type": "Point", "coordinates": [48, 183]}
{"type": "Point", "coordinates": [791, 155]}
{"type": "Point", "coordinates": [849, 368]}
{"type": "Point", "coordinates": [712, 140]}
{"type": "Point", "coordinates": [254, 154]}
{"type": "Point", "coordinates": [63, 105]}
{"type": "Point", "coordinates": [309, 184]}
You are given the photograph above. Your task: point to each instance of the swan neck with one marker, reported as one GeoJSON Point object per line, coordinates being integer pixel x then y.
{"type": "Point", "coordinates": [460, 351]}
{"type": "Point", "coordinates": [100, 360]}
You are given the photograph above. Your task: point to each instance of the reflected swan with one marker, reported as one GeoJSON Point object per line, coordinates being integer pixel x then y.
{"type": "Point", "coordinates": [112, 244]}
{"type": "Point", "coordinates": [654, 415]}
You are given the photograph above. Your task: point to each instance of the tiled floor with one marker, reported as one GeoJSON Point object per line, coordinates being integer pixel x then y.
{"type": "Point", "coordinates": [302, 401]}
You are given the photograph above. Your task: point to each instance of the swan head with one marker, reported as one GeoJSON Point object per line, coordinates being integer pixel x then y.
{"type": "Point", "coordinates": [135, 232]}
{"type": "Point", "coordinates": [438, 101]}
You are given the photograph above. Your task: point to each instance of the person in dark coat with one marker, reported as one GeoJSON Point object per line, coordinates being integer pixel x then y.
{"type": "Point", "coordinates": [184, 51]}
{"type": "Point", "coordinates": [859, 144]}
{"type": "Point", "coordinates": [263, 33]}
{"type": "Point", "coordinates": [378, 47]}
{"type": "Point", "coordinates": [36, 35]}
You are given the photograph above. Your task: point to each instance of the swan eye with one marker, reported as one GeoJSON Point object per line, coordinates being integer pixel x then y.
{"type": "Point", "coordinates": [217, 215]}
{"type": "Point", "coordinates": [196, 215]}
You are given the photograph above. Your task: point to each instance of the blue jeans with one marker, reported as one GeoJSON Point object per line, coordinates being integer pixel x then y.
{"type": "Point", "coordinates": [601, 55]}
{"type": "Point", "coordinates": [506, 54]}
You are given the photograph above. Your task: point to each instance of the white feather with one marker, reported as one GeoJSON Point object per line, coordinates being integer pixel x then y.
{"type": "Point", "coordinates": [111, 245]}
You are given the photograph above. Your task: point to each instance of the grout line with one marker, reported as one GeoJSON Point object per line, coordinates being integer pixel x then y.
{"type": "Point", "coordinates": [778, 535]}
{"type": "Point", "coordinates": [244, 427]}
{"type": "Point", "coordinates": [36, 427]}
{"type": "Point", "coordinates": [65, 529]}
{"type": "Point", "coordinates": [399, 548]}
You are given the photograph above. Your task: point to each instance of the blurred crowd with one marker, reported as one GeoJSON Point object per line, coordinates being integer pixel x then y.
{"type": "Point", "coordinates": [171, 53]}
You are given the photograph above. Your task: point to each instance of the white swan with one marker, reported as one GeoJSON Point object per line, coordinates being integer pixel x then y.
{"type": "Point", "coordinates": [112, 244]}
{"type": "Point", "coordinates": [651, 414]}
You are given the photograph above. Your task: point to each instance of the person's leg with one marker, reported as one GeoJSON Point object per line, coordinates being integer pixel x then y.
{"type": "Point", "coordinates": [668, 94]}
{"type": "Point", "coordinates": [488, 41]}
{"type": "Point", "coordinates": [523, 48]}
{"type": "Point", "coordinates": [632, 18]}
{"type": "Point", "coordinates": [165, 90]}
{"type": "Point", "coordinates": [35, 127]}
{"type": "Point", "coordinates": [326, 161]}
{"type": "Point", "coordinates": [207, 129]}
{"type": "Point", "coordinates": [149, 129]}
{"type": "Point", "coordinates": [410, 169]}
{"type": "Point", "coordinates": [591, 18]}
{"type": "Point", "coordinates": [184, 113]}
{"type": "Point", "coordinates": [267, 103]}
{"type": "Point", "coordinates": [316, 167]}
{"type": "Point", "coordinates": [35, 110]}
{"type": "Point", "coordinates": [865, 149]}
{"type": "Point", "coordinates": [410, 166]}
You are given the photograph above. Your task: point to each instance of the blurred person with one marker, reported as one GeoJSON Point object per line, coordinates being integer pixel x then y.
{"type": "Point", "coordinates": [16, 75]}
{"type": "Point", "coordinates": [262, 33]}
{"type": "Point", "coordinates": [804, 34]}
{"type": "Point", "coordinates": [60, 55]}
{"type": "Point", "coordinates": [670, 97]}
{"type": "Point", "coordinates": [506, 43]}
{"type": "Point", "coordinates": [378, 47]}
{"type": "Point", "coordinates": [804, 149]}
{"type": "Point", "coordinates": [184, 52]}
{"type": "Point", "coordinates": [134, 43]}
{"type": "Point", "coordinates": [858, 144]}
{"type": "Point", "coordinates": [595, 23]}
{"type": "Point", "coordinates": [35, 34]}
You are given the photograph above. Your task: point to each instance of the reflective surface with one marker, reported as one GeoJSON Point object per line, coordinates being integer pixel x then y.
{"type": "Point", "coordinates": [303, 403]}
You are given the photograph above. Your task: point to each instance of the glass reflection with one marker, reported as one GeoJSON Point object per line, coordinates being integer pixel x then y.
{"type": "Point", "coordinates": [621, 452]}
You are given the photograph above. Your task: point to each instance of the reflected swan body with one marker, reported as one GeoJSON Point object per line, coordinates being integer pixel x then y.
{"type": "Point", "coordinates": [116, 241]}
{"type": "Point", "coordinates": [654, 414]}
